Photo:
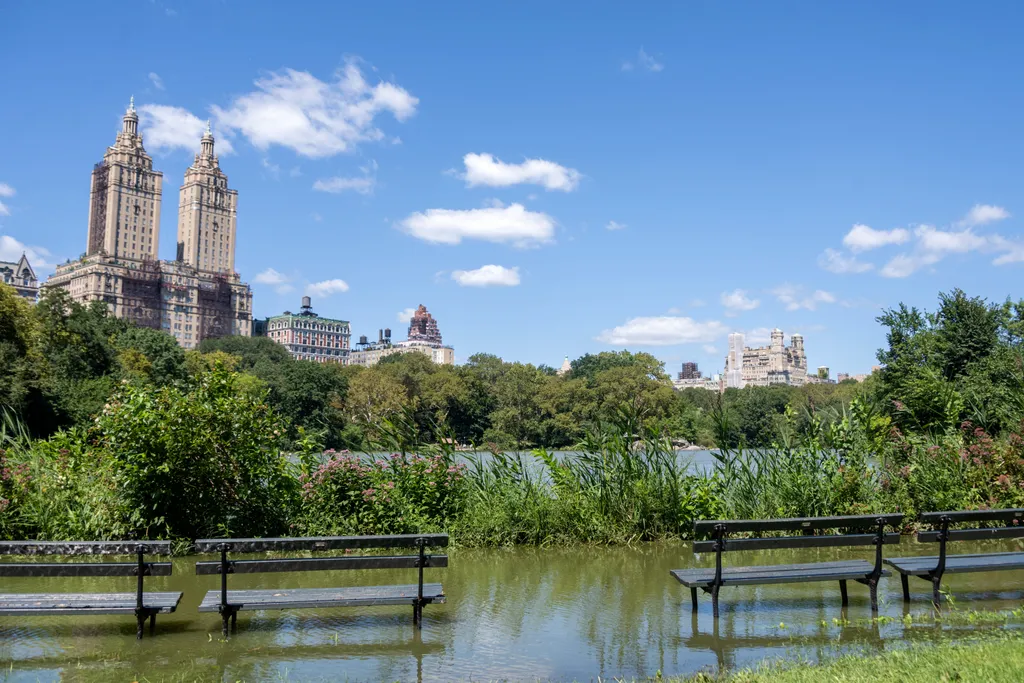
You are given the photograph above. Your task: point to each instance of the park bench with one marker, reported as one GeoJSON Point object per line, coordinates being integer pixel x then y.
{"type": "Point", "coordinates": [143, 605]}
{"type": "Point", "coordinates": [229, 602]}
{"type": "Point", "coordinates": [710, 580]}
{"type": "Point", "coordinates": [933, 567]}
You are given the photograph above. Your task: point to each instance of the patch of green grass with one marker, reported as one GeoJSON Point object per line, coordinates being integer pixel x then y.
{"type": "Point", "coordinates": [994, 658]}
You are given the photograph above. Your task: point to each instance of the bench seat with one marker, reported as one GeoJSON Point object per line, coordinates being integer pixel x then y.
{"type": "Point", "coordinates": [785, 573]}
{"type": "Point", "coordinates": [85, 603]}
{"type": "Point", "coordinates": [958, 564]}
{"type": "Point", "coordinates": [298, 598]}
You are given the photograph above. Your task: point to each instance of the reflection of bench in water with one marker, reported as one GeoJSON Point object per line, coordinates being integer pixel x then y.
{"type": "Point", "coordinates": [143, 605]}
{"type": "Point", "coordinates": [229, 603]}
{"type": "Point", "coordinates": [712, 579]}
{"type": "Point", "coordinates": [932, 568]}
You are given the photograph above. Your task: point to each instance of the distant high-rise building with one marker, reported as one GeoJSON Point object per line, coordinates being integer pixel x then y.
{"type": "Point", "coordinates": [423, 327]}
{"type": "Point", "coordinates": [190, 299]}
{"type": "Point", "coordinates": [565, 369]}
{"type": "Point", "coordinates": [19, 274]}
{"type": "Point", "coordinates": [689, 371]}
{"type": "Point", "coordinates": [307, 336]}
{"type": "Point", "coordinates": [124, 204]}
{"type": "Point", "coordinates": [734, 362]}
{"type": "Point", "coordinates": [764, 365]}
{"type": "Point", "coordinates": [206, 214]}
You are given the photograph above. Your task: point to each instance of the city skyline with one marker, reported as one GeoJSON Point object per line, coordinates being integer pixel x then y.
{"type": "Point", "coordinates": [653, 183]}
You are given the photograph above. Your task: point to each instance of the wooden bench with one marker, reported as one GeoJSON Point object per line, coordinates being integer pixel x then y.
{"type": "Point", "coordinates": [712, 579]}
{"type": "Point", "coordinates": [143, 605]}
{"type": "Point", "coordinates": [933, 567]}
{"type": "Point", "coordinates": [230, 602]}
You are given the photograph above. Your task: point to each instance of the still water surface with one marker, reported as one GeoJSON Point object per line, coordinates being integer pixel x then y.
{"type": "Point", "coordinates": [564, 614]}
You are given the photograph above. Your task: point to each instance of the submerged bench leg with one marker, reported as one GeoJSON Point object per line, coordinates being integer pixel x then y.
{"type": "Point", "coordinates": [873, 586]}
{"type": "Point", "coordinates": [140, 623]}
{"type": "Point", "coordinates": [936, 580]}
{"type": "Point", "coordinates": [714, 600]}
{"type": "Point", "coordinates": [693, 598]}
{"type": "Point", "coordinates": [842, 591]}
{"type": "Point", "coordinates": [905, 580]}
{"type": "Point", "coordinates": [152, 623]}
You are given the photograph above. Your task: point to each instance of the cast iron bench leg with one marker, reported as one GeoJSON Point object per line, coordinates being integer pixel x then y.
{"type": "Point", "coordinates": [873, 585]}
{"type": "Point", "coordinates": [152, 623]}
{"type": "Point", "coordinates": [905, 580]}
{"type": "Point", "coordinates": [693, 598]}
{"type": "Point", "coordinates": [141, 622]}
{"type": "Point", "coordinates": [714, 600]}
{"type": "Point", "coordinates": [842, 591]}
{"type": "Point", "coordinates": [936, 580]}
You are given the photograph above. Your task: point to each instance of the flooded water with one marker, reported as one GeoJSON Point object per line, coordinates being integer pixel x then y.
{"type": "Point", "coordinates": [564, 614]}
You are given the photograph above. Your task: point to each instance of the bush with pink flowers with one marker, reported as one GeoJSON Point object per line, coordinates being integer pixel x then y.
{"type": "Point", "coordinates": [352, 494]}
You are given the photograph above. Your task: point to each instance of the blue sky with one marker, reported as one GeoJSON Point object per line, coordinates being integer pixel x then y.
{"type": "Point", "coordinates": [798, 165]}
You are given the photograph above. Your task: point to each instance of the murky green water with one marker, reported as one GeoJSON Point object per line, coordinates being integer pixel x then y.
{"type": "Point", "coordinates": [522, 614]}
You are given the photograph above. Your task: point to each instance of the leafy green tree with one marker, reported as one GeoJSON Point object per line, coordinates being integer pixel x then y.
{"type": "Point", "coordinates": [374, 396]}
{"type": "Point", "coordinates": [589, 366]}
{"type": "Point", "coordinates": [156, 354]}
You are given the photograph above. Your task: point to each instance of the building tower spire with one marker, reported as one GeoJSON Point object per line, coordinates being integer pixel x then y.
{"type": "Point", "coordinates": [207, 142]}
{"type": "Point", "coordinates": [130, 122]}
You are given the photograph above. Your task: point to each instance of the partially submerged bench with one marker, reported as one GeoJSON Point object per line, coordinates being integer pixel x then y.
{"type": "Point", "coordinates": [933, 567]}
{"type": "Point", "coordinates": [855, 530]}
{"type": "Point", "coordinates": [143, 605]}
{"type": "Point", "coordinates": [229, 602]}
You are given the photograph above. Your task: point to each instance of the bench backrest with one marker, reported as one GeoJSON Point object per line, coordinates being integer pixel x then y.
{"type": "Point", "coordinates": [139, 567]}
{"type": "Point", "coordinates": [1011, 518]}
{"type": "Point", "coordinates": [869, 530]}
{"type": "Point", "coordinates": [320, 544]}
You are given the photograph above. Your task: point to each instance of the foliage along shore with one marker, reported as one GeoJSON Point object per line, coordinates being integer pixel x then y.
{"type": "Point", "coordinates": [113, 431]}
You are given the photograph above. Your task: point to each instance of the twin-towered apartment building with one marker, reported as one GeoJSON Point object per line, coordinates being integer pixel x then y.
{"type": "Point", "coordinates": [195, 296]}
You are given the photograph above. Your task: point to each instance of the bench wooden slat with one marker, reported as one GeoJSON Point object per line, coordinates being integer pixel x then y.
{"type": "Point", "coordinates": [830, 541]}
{"type": "Point", "coordinates": [958, 564]}
{"type": "Point", "coordinates": [769, 574]}
{"type": "Point", "coordinates": [42, 569]}
{"type": "Point", "coordinates": [257, 545]}
{"type": "Point", "coordinates": [83, 547]}
{"type": "Point", "coordinates": [704, 528]}
{"type": "Point", "coordinates": [84, 603]}
{"type": "Point", "coordinates": [973, 534]}
{"type": "Point", "coordinates": [301, 598]}
{"type": "Point", "coordinates": [1003, 515]}
{"type": "Point", "coordinates": [324, 563]}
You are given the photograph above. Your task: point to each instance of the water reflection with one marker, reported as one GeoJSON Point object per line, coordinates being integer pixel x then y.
{"type": "Point", "coordinates": [512, 614]}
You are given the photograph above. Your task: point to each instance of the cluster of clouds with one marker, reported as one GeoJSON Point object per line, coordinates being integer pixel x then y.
{"type": "Point", "coordinates": [923, 245]}
{"type": "Point", "coordinates": [284, 284]}
{"type": "Point", "coordinates": [6, 192]}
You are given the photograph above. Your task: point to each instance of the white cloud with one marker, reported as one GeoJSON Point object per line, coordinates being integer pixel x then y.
{"type": "Point", "coordinates": [794, 299]}
{"type": "Point", "coordinates": [279, 281]}
{"type": "Point", "coordinates": [364, 184]}
{"type": "Point", "coordinates": [709, 348]}
{"type": "Point", "coordinates": [643, 61]}
{"type": "Point", "coordinates": [155, 79]}
{"type": "Point", "coordinates": [758, 335]}
{"type": "Point", "coordinates": [933, 245]}
{"type": "Point", "coordinates": [662, 331]}
{"type": "Point", "coordinates": [484, 169]}
{"type": "Point", "coordinates": [166, 128]}
{"type": "Point", "coordinates": [737, 300]}
{"type": "Point", "coordinates": [11, 250]}
{"type": "Point", "coordinates": [863, 237]}
{"type": "Point", "coordinates": [487, 276]}
{"type": "Point", "coordinates": [405, 315]}
{"type": "Point", "coordinates": [981, 214]}
{"type": "Point", "coordinates": [836, 261]}
{"type": "Point", "coordinates": [273, 169]}
{"type": "Point", "coordinates": [5, 191]}
{"type": "Point", "coordinates": [612, 225]}
{"type": "Point", "coordinates": [511, 224]}
{"type": "Point", "coordinates": [326, 288]}
{"type": "Point", "coordinates": [294, 109]}
{"type": "Point", "coordinates": [338, 184]}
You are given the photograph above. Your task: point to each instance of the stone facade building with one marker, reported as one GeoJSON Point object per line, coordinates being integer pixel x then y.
{"type": "Point", "coordinates": [307, 336]}
{"type": "Point", "coordinates": [423, 327]}
{"type": "Point", "coordinates": [195, 297]}
{"type": "Point", "coordinates": [19, 274]}
{"type": "Point", "coordinates": [765, 365]}
{"type": "Point", "coordinates": [424, 337]}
